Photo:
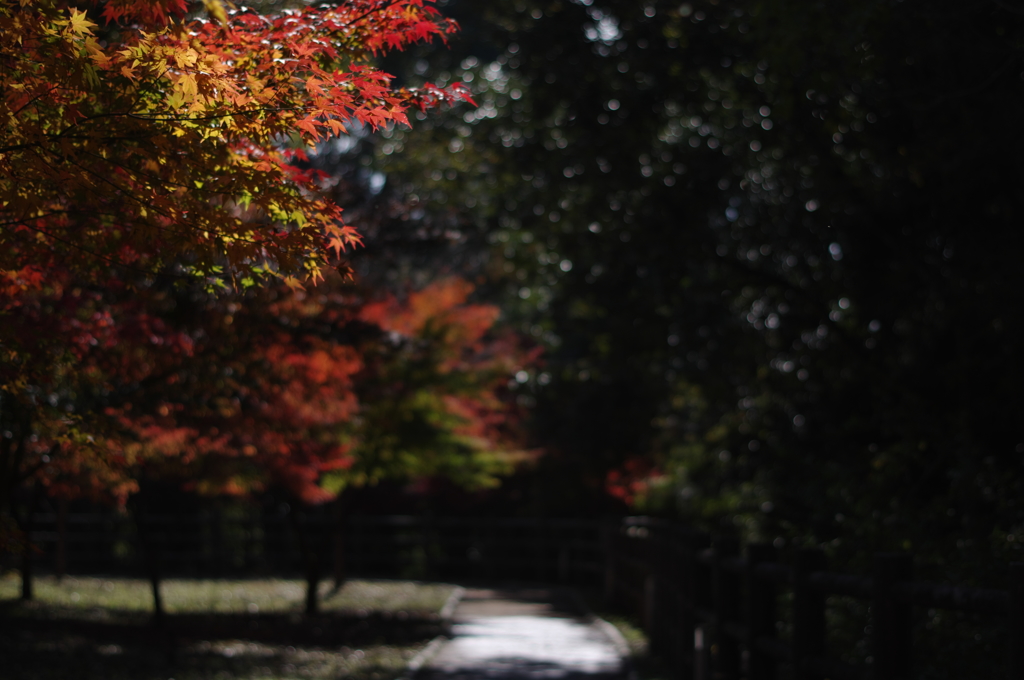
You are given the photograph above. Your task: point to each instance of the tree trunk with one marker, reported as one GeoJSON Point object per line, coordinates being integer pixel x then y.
{"type": "Point", "coordinates": [312, 596]}
{"type": "Point", "coordinates": [151, 559]}
{"type": "Point", "coordinates": [27, 525]}
{"type": "Point", "coordinates": [16, 423]}
{"type": "Point", "coordinates": [27, 591]}
{"type": "Point", "coordinates": [310, 562]}
{"type": "Point", "coordinates": [60, 563]}
{"type": "Point", "coordinates": [158, 600]}
{"type": "Point", "coordinates": [338, 542]}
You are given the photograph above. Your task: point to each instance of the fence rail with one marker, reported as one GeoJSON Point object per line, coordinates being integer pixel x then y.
{"type": "Point", "coordinates": [712, 609]}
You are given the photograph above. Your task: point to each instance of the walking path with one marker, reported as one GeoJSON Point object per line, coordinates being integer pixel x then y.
{"type": "Point", "coordinates": [525, 634]}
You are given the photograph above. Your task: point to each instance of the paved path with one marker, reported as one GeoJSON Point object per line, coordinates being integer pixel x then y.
{"type": "Point", "coordinates": [526, 634]}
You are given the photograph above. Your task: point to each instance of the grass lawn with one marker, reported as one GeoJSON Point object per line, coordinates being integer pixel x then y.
{"type": "Point", "coordinates": [100, 628]}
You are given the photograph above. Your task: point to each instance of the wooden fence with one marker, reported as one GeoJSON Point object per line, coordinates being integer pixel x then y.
{"type": "Point", "coordinates": [261, 541]}
{"type": "Point", "coordinates": [715, 611]}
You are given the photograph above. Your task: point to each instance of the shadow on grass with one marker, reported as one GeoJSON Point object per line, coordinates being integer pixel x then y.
{"type": "Point", "coordinates": [40, 645]}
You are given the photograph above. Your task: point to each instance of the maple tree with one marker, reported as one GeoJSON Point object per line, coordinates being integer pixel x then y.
{"type": "Point", "coordinates": [436, 390]}
{"type": "Point", "coordinates": [55, 435]}
{"type": "Point", "coordinates": [313, 392]}
{"type": "Point", "coordinates": [160, 142]}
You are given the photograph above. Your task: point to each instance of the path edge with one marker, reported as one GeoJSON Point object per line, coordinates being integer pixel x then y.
{"type": "Point", "coordinates": [448, 610]}
{"type": "Point", "coordinates": [434, 646]}
{"type": "Point", "coordinates": [610, 632]}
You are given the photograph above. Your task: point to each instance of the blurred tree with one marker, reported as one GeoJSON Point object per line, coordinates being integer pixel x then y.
{"type": "Point", "coordinates": [68, 348]}
{"type": "Point", "coordinates": [304, 392]}
{"type": "Point", "coordinates": [770, 246]}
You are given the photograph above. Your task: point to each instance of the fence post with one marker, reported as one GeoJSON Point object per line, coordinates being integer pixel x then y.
{"type": "Point", "coordinates": [673, 604]}
{"type": "Point", "coordinates": [60, 566]}
{"type": "Point", "coordinates": [891, 620]}
{"type": "Point", "coordinates": [808, 613]}
{"type": "Point", "coordinates": [219, 549]}
{"type": "Point", "coordinates": [249, 545]}
{"type": "Point", "coordinates": [760, 612]}
{"type": "Point", "coordinates": [610, 583]}
{"type": "Point", "coordinates": [692, 661]}
{"type": "Point", "coordinates": [725, 587]}
{"type": "Point", "coordinates": [654, 593]}
{"type": "Point", "coordinates": [564, 562]}
{"type": "Point", "coordinates": [1015, 629]}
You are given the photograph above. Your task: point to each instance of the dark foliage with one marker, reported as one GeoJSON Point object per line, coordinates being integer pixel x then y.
{"type": "Point", "coordinates": [772, 248]}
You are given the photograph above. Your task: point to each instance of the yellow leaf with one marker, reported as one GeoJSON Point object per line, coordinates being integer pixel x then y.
{"type": "Point", "coordinates": [186, 58]}
{"type": "Point", "coordinates": [187, 82]}
{"type": "Point", "coordinates": [216, 10]}
{"type": "Point", "coordinates": [79, 23]}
